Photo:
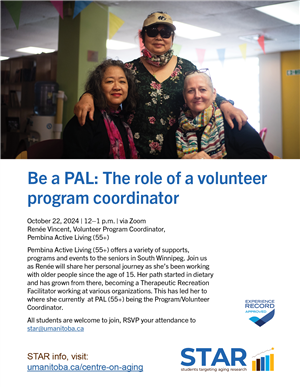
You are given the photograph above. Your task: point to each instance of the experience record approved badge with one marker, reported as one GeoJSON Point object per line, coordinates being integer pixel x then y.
{"type": "Point", "coordinates": [260, 311]}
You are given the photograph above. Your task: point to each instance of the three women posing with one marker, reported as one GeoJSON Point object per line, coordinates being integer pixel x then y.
{"type": "Point", "coordinates": [159, 77]}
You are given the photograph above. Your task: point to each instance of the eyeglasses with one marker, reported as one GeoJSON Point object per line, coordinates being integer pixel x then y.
{"type": "Point", "coordinates": [205, 70]}
{"type": "Point", "coordinates": [165, 33]}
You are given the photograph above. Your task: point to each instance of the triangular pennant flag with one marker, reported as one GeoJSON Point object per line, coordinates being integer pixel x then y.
{"type": "Point", "coordinates": [141, 42]}
{"type": "Point", "coordinates": [221, 55]}
{"type": "Point", "coordinates": [176, 48]}
{"type": "Point", "coordinates": [59, 5]}
{"type": "Point", "coordinates": [115, 23]}
{"type": "Point", "coordinates": [200, 55]}
{"type": "Point", "coordinates": [79, 6]}
{"type": "Point", "coordinates": [243, 48]}
{"type": "Point", "coordinates": [261, 42]}
{"type": "Point", "coordinates": [14, 8]}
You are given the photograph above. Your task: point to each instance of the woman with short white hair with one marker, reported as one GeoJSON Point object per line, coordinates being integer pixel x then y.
{"type": "Point", "coordinates": [202, 131]}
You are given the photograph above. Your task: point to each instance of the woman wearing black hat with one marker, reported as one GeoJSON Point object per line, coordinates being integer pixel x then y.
{"type": "Point", "coordinates": [159, 78]}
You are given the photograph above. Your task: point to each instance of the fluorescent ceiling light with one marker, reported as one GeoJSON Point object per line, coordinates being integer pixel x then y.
{"type": "Point", "coordinates": [3, 58]}
{"type": "Point", "coordinates": [118, 45]}
{"type": "Point", "coordinates": [192, 32]}
{"type": "Point", "coordinates": [254, 38]}
{"type": "Point", "coordinates": [35, 50]}
{"type": "Point", "coordinates": [288, 12]}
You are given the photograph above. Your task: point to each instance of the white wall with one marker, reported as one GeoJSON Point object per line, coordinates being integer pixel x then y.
{"type": "Point", "coordinates": [270, 101]}
{"type": "Point", "coordinates": [238, 79]}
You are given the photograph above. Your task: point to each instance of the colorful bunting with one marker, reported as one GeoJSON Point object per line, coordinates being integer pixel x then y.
{"type": "Point", "coordinates": [115, 23]}
{"type": "Point", "coordinates": [221, 55]}
{"type": "Point", "coordinates": [14, 8]}
{"type": "Point", "coordinates": [261, 42]}
{"type": "Point", "coordinates": [177, 48]}
{"type": "Point", "coordinates": [141, 42]}
{"type": "Point", "coordinates": [243, 48]}
{"type": "Point", "coordinates": [59, 5]}
{"type": "Point", "coordinates": [79, 6]}
{"type": "Point", "coordinates": [200, 55]}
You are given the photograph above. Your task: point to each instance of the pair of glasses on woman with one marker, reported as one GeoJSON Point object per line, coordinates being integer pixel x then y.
{"type": "Point", "coordinates": [204, 70]}
{"type": "Point", "coordinates": [165, 33]}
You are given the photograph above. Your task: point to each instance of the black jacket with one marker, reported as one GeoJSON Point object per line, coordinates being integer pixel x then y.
{"type": "Point", "coordinates": [243, 144]}
{"type": "Point", "coordinates": [91, 140]}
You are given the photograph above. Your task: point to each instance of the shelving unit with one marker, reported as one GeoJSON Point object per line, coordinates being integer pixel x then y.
{"type": "Point", "coordinates": [18, 77]}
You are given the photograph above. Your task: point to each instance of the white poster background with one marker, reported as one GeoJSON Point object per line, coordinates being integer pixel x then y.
{"type": "Point", "coordinates": [249, 233]}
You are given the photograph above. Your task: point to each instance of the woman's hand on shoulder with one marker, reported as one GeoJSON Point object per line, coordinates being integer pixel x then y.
{"type": "Point", "coordinates": [197, 155]}
{"type": "Point", "coordinates": [83, 106]}
{"type": "Point", "coordinates": [230, 113]}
